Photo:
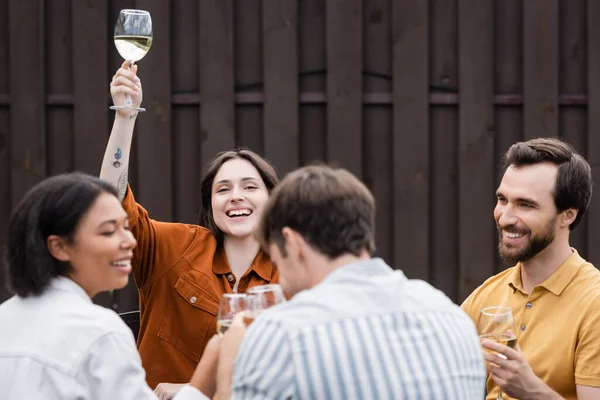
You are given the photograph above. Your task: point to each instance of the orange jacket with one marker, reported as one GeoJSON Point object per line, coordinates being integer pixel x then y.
{"type": "Point", "coordinates": [181, 274]}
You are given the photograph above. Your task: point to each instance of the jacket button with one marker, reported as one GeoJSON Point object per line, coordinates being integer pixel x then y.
{"type": "Point", "coordinates": [193, 299]}
{"type": "Point", "coordinates": [230, 278]}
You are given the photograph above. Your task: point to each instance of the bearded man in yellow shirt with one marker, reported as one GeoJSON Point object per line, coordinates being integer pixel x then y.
{"type": "Point", "coordinates": [554, 294]}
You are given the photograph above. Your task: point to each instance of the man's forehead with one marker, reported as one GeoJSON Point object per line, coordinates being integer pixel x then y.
{"type": "Point", "coordinates": [529, 179]}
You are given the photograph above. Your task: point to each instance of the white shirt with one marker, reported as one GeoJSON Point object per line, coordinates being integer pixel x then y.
{"type": "Point", "coordinates": [365, 332]}
{"type": "Point", "coordinates": [60, 345]}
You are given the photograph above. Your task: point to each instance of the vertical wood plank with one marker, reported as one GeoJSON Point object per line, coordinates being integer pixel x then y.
{"type": "Point", "coordinates": [154, 126]}
{"type": "Point", "coordinates": [476, 141]}
{"type": "Point", "coordinates": [572, 66]}
{"type": "Point", "coordinates": [540, 62]}
{"type": "Point", "coordinates": [185, 129]}
{"type": "Point", "coordinates": [27, 106]}
{"type": "Point", "coordinates": [411, 136]}
{"type": "Point", "coordinates": [280, 66]}
{"type": "Point", "coordinates": [90, 84]}
{"type": "Point", "coordinates": [217, 118]}
{"type": "Point", "coordinates": [445, 240]}
{"type": "Point", "coordinates": [443, 176]}
{"type": "Point", "coordinates": [59, 80]}
{"type": "Point", "coordinates": [5, 169]}
{"type": "Point", "coordinates": [344, 84]}
{"type": "Point", "coordinates": [593, 138]}
{"type": "Point", "coordinates": [312, 63]}
{"type": "Point", "coordinates": [377, 148]}
{"type": "Point", "coordinates": [248, 72]}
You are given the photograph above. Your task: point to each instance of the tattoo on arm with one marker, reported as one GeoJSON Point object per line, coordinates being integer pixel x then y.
{"type": "Point", "coordinates": [123, 182]}
{"type": "Point", "coordinates": [133, 115]}
{"type": "Point", "coordinates": [118, 156]}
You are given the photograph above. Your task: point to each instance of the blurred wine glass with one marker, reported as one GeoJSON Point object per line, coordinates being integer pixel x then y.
{"type": "Point", "coordinates": [260, 298]}
{"type": "Point", "coordinates": [230, 305]}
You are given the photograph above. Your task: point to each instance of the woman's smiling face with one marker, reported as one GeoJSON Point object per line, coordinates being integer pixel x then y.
{"type": "Point", "coordinates": [238, 197]}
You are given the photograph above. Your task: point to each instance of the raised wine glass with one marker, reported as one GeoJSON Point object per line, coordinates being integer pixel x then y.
{"type": "Point", "coordinates": [230, 305]}
{"type": "Point", "coordinates": [133, 38]}
{"type": "Point", "coordinates": [498, 324]}
{"type": "Point", "coordinates": [260, 298]}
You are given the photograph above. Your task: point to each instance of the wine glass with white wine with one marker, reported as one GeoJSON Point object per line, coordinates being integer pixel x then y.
{"type": "Point", "coordinates": [230, 305]}
{"type": "Point", "coordinates": [133, 38]}
{"type": "Point", "coordinates": [498, 324]}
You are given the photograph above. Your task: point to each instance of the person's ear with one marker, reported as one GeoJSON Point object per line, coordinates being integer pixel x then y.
{"type": "Point", "coordinates": [569, 216]}
{"type": "Point", "coordinates": [294, 243]}
{"type": "Point", "coordinates": [58, 248]}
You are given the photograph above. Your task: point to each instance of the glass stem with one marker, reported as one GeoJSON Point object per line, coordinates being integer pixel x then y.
{"type": "Point", "coordinates": [128, 101]}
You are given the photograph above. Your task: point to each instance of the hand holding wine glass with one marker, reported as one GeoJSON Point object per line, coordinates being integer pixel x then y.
{"type": "Point", "coordinates": [498, 324]}
{"type": "Point", "coordinates": [133, 39]}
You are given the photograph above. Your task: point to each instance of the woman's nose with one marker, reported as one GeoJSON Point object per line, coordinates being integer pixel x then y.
{"type": "Point", "coordinates": [129, 240]}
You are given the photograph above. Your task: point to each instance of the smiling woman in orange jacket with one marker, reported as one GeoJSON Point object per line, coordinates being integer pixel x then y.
{"type": "Point", "coordinates": [181, 270]}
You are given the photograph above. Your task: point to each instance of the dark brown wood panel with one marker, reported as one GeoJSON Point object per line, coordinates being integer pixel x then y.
{"type": "Point", "coordinates": [572, 68]}
{"type": "Point", "coordinates": [185, 128]}
{"type": "Point", "coordinates": [248, 76]}
{"type": "Point", "coordinates": [27, 109]}
{"type": "Point", "coordinates": [443, 175]}
{"type": "Point", "coordinates": [217, 117]}
{"type": "Point", "coordinates": [476, 144]}
{"type": "Point", "coordinates": [60, 80]}
{"type": "Point", "coordinates": [312, 61]}
{"type": "Point", "coordinates": [443, 41]}
{"type": "Point", "coordinates": [90, 86]}
{"type": "Point", "coordinates": [445, 206]}
{"type": "Point", "coordinates": [154, 126]}
{"type": "Point", "coordinates": [344, 84]}
{"type": "Point", "coordinates": [377, 120]}
{"type": "Point", "coordinates": [508, 52]}
{"type": "Point", "coordinates": [410, 26]}
{"type": "Point", "coordinates": [593, 138]}
{"type": "Point", "coordinates": [280, 66]}
{"type": "Point", "coordinates": [540, 72]}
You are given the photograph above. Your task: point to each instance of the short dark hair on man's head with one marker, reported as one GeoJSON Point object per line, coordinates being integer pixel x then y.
{"type": "Point", "coordinates": [54, 206]}
{"type": "Point", "coordinates": [573, 188]}
{"type": "Point", "coordinates": [265, 170]}
{"type": "Point", "coordinates": [332, 210]}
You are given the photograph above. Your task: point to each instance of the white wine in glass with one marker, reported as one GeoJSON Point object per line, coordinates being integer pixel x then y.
{"type": "Point", "coordinates": [498, 324]}
{"type": "Point", "coordinates": [133, 39]}
{"type": "Point", "coordinates": [230, 305]}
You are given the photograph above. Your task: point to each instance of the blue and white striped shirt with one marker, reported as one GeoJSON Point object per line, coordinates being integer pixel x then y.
{"type": "Point", "coordinates": [365, 332]}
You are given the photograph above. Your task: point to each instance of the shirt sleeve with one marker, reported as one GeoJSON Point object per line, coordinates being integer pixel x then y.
{"type": "Point", "coordinates": [264, 367]}
{"type": "Point", "coordinates": [112, 368]}
{"type": "Point", "coordinates": [587, 352]}
{"type": "Point", "coordinates": [471, 307]}
{"type": "Point", "coordinates": [159, 244]}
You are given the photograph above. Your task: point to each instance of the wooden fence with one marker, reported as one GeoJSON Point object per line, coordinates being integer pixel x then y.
{"type": "Point", "coordinates": [419, 98]}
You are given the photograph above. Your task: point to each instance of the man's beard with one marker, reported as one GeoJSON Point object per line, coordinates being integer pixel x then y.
{"type": "Point", "coordinates": [511, 256]}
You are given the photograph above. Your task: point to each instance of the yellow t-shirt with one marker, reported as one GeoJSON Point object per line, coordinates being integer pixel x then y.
{"type": "Point", "coordinates": [558, 324]}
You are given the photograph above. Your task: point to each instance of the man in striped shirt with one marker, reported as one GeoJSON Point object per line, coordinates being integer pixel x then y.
{"type": "Point", "coordinates": [355, 328]}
